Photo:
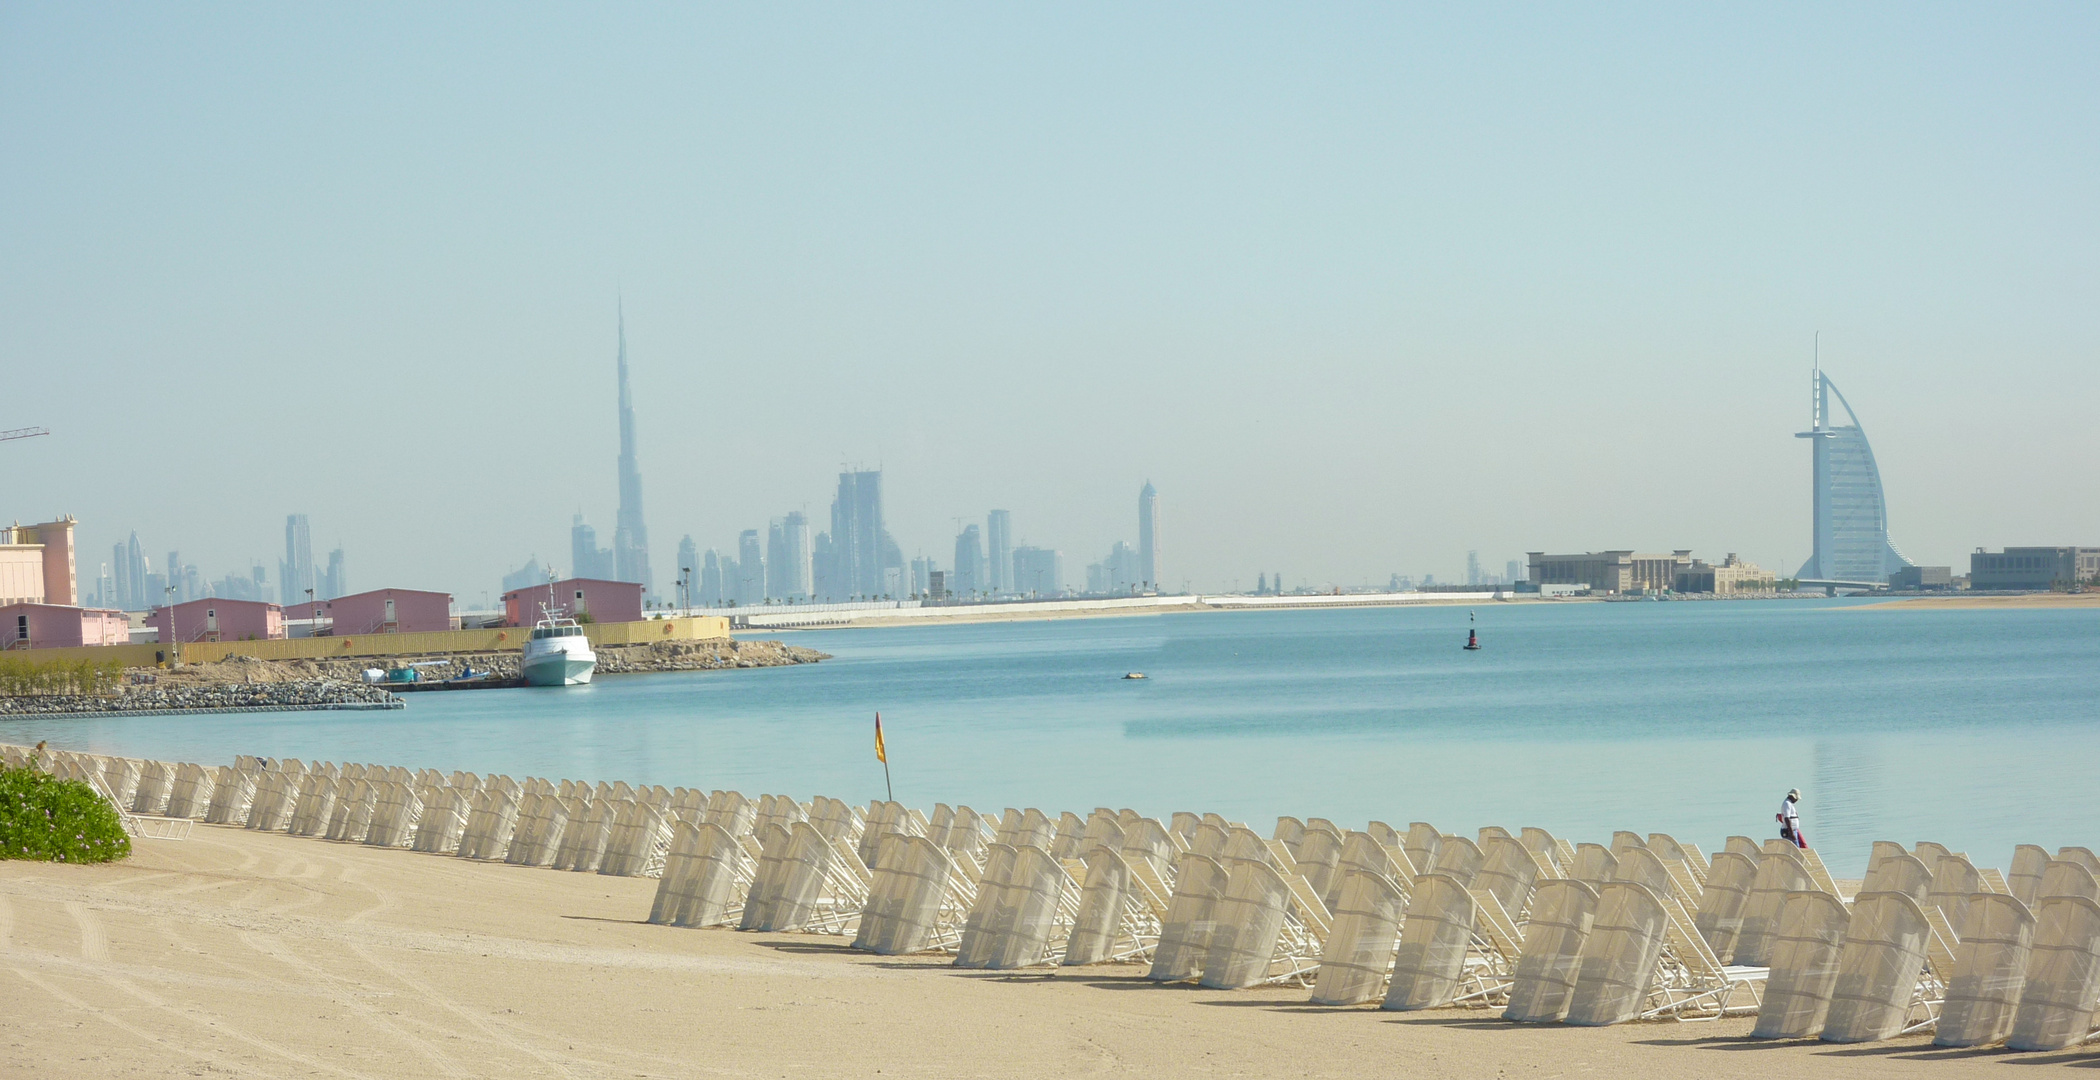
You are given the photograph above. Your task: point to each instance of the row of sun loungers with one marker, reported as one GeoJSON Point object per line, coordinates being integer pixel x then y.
{"type": "Point", "coordinates": [1544, 930]}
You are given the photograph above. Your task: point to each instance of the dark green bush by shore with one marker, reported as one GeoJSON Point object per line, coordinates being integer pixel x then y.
{"type": "Point", "coordinates": [53, 820]}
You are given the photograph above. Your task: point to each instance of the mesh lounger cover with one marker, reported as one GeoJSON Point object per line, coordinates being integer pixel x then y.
{"type": "Point", "coordinates": [767, 878]}
{"type": "Point", "coordinates": [353, 811]}
{"type": "Point", "coordinates": [904, 902]}
{"type": "Point", "coordinates": [1183, 824]}
{"type": "Point", "coordinates": [1805, 953]}
{"type": "Point", "coordinates": [2082, 856]}
{"type": "Point", "coordinates": [884, 818]}
{"type": "Point", "coordinates": [2064, 878]}
{"type": "Point", "coordinates": [1954, 879]}
{"type": "Point", "coordinates": [1184, 935]}
{"type": "Point", "coordinates": [701, 878]}
{"type": "Point", "coordinates": [1618, 958]}
{"type": "Point", "coordinates": [1016, 931]}
{"type": "Point", "coordinates": [542, 822]}
{"type": "Point", "coordinates": [1249, 918]}
{"type": "Point", "coordinates": [1422, 843]}
{"type": "Point", "coordinates": [232, 790]}
{"type": "Point", "coordinates": [1901, 872]}
{"type": "Point", "coordinates": [1431, 957]}
{"type": "Point", "coordinates": [1507, 872]}
{"type": "Point", "coordinates": [121, 775]}
{"type": "Point", "coordinates": [444, 819]}
{"type": "Point", "coordinates": [1070, 841]}
{"type": "Point", "coordinates": [491, 822]}
{"type": "Point", "coordinates": [590, 826]}
{"type": "Point", "coordinates": [1363, 852]}
{"type": "Point", "coordinates": [978, 933]}
{"type": "Point", "coordinates": [1623, 841]}
{"type": "Point", "coordinates": [1031, 829]}
{"type": "Point", "coordinates": [1102, 830]}
{"type": "Point", "coordinates": [1289, 830]}
{"type": "Point", "coordinates": [1990, 968]}
{"type": "Point", "coordinates": [1746, 847]}
{"type": "Point", "coordinates": [1318, 855]}
{"type": "Point", "coordinates": [1928, 852]}
{"type": "Point", "coordinates": [1594, 865]}
{"type": "Point", "coordinates": [630, 849]}
{"type": "Point", "coordinates": [1103, 898]}
{"type": "Point", "coordinates": [792, 895]}
{"type": "Point", "coordinates": [730, 812]}
{"type": "Point", "coordinates": [1882, 850]}
{"type": "Point", "coordinates": [315, 805]}
{"type": "Point", "coordinates": [1490, 832]}
{"type": "Point", "coordinates": [1720, 916]}
{"type": "Point", "coordinates": [1360, 944]}
{"type": "Point", "coordinates": [156, 780]}
{"type": "Point", "coordinates": [1244, 844]}
{"type": "Point", "coordinates": [1458, 858]}
{"type": "Point", "coordinates": [1777, 876]}
{"type": "Point", "coordinates": [1149, 841]}
{"type": "Point", "coordinates": [2025, 878]}
{"type": "Point", "coordinates": [1562, 914]}
{"type": "Point", "coordinates": [1208, 841]}
{"type": "Point", "coordinates": [1542, 844]}
{"type": "Point", "coordinates": [395, 810]}
{"type": "Point", "coordinates": [1642, 867]}
{"type": "Point", "coordinates": [2063, 976]}
{"type": "Point", "coordinates": [1878, 971]}
{"type": "Point", "coordinates": [191, 795]}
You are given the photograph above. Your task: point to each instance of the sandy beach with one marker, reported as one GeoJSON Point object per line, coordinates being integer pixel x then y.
{"type": "Point", "coordinates": [238, 953]}
{"type": "Point", "coordinates": [2022, 601]}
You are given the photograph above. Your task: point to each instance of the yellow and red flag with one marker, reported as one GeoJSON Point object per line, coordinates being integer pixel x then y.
{"type": "Point", "coordinates": [880, 754]}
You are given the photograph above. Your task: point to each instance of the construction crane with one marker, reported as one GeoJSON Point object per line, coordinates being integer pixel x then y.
{"type": "Point", "coordinates": [23, 433]}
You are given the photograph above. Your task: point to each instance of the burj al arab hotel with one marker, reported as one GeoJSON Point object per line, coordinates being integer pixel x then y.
{"type": "Point", "coordinates": [1852, 543]}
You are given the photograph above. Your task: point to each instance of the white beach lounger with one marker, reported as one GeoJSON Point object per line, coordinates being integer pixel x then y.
{"type": "Point", "coordinates": [1619, 957]}
{"type": "Point", "coordinates": [1777, 876]}
{"type": "Point", "coordinates": [1563, 912]}
{"type": "Point", "coordinates": [2063, 976]}
{"type": "Point", "coordinates": [1806, 950]}
{"type": "Point", "coordinates": [1184, 935]}
{"type": "Point", "coordinates": [1429, 965]}
{"type": "Point", "coordinates": [1365, 932]}
{"type": "Point", "coordinates": [1879, 970]}
{"type": "Point", "coordinates": [1900, 872]}
{"type": "Point", "coordinates": [1990, 970]}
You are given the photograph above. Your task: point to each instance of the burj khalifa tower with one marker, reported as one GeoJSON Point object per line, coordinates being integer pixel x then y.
{"type": "Point", "coordinates": [630, 536]}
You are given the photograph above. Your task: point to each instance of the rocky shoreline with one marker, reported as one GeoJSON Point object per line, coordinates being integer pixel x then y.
{"type": "Point", "coordinates": [246, 684]}
{"type": "Point", "coordinates": [220, 697]}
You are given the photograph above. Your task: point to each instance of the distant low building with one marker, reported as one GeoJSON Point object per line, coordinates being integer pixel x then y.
{"type": "Point", "coordinates": [1610, 571]}
{"type": "Point", "coordinates": [219, 619]}
{"type": "Point", "coordinates": [603, 601]}
{"type": "Point", "coordinates": [390, 611]}
{"type": "Point", "coordinates": [55, 626]}
{"type": "Point", "coordinates": [36, 564]}
{"type": "Point", "coordinates": [1731, 575]}
{"type": "Point", "coordinates": [2034, 568]}
{"type": "Point", "coordinates": [1922, 578]}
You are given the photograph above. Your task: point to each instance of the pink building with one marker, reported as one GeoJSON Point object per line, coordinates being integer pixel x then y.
{"type": "Point", "coordinates": [53, 626]}
{"type": "Point", "coordinates": [386, 611]}
{"type": "Point", "coordinates": [216, 618]}
{"type": "Point", "coordinates": [603, 601]}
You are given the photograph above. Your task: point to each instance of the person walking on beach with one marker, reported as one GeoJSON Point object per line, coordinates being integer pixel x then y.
{"type": "Point", "coordinates": [1790, 819]}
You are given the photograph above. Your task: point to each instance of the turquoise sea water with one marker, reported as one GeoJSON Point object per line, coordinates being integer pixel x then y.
{"type": "Point", "coordinates": [1978, 729]}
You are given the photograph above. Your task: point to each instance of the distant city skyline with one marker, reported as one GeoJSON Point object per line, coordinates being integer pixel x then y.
{"type": "Point", "coordinates": [1360, 290]}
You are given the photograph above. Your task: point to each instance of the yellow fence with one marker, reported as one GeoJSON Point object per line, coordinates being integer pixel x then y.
{"type": "Point", "coordinates": [696, 628]}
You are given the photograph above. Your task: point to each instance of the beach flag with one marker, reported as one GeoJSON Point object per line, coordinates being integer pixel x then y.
{"type": "Point", "coordinates": [880, 754]}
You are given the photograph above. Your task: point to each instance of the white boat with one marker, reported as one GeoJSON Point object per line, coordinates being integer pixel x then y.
{"type": "Point", "coordinates": [558, 654]}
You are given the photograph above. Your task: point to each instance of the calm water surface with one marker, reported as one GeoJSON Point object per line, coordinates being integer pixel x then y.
{"type": "Point", "coordinates": [1979, 729]}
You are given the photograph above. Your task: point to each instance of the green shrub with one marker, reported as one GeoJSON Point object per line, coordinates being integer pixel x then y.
{"type": "Point", "coordinates": [53, 820]}
{"type": "Point", "coordinates": [21, 673]}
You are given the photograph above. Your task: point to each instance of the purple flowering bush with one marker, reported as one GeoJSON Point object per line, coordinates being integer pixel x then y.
{"type": "Point", "coordinates": [53, 820]}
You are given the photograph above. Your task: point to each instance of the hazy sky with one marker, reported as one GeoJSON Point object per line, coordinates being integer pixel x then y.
{"type": "Point", "coordinates": [1359, 288]}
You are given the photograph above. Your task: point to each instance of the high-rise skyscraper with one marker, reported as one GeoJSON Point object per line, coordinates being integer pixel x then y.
{"type": "Point", "coordinates": [1472, 567]}
{"type": "Point", "coordinates": [999, 552]}
{"type": "Point", "coordinates": [295, 574]}
{"type": "Point", "coordinates": [630, 536]}
{"type": "Point", "coordinates": [135, 557]}
{"type": "Point", "coordinates": [751, 568]}
{"type": "Point", "coordinates": [335, 581]}
{"type": "Point", "coordinates": [1851, 519]}
{"type": "Point", "coordinates": [858, 540]}
{"type": "Point", "coordinates": [1038, 571]}
{"type": "Point", "coordinates": [710, 592]}
{"type": "Point", "coordinates": [776, 560]}
{"type": "Point", "coordinates": [795, 573]}
{"type": "Point", "coordinates": [1148, 537]}
{"type": "Point", "coordinates": [120, 573]}
{"type": "Point", "coordinates": [968, 576]}
{"type": "Point", "coordinates": [688, 569]}
{"type": "Point", "coordinates": [586, 558]}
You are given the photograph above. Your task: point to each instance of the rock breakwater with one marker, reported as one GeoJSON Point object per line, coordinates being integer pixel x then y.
{"type": "Point", "coordinates": [207, 697]}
